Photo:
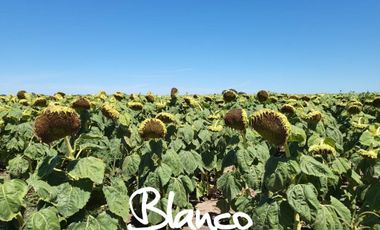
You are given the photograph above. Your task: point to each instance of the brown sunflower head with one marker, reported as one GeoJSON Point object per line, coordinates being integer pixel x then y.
{"type": "Point", "coordinates": [152, 128]}
{"type": "Point", "coordinates": [166, 117]}
{"type": "Point", "coordinates": [376, 102]}
{"type": "Point", "coordinates": [208, 99]}
{"type": "Point", "coordinates": [273, 99]}
{"type": "Point", "coordinates": [173, 92]}
{"type": "Point", "coordinates": [305, 98]}
{"type": "Point", "coordinates": [150, 97]}
{"type": "Point", "coordinates": [262, 95]}
{"type": "Point", "coordinates": [313, 117]}
{"type": "Point", "coordinates": [119, 96]}
{"type": "Point", "coordinates": [134, 105]}
{"type": "Point", "coordinates": [288, 109]}
{"type": "Point", "coordinates": [272, 126]}
{"type": "Point", "coordinates": [354, 107]}
{"type": "Point", "coordinates": [40, 102]}
{"type": "Point", "coordinates": [21, 94]}
{"type": "Point", "coordinates": [110, 112]}
{"type": "Point", "coordinates": [56, 122]}
{"type": "Point", "coordinates": [236, 119]}
{"type": "Point", "coordinates": [229, 96]}
{"type": "Point", "coordinates": [81, 103]}
{"type": "Point", "coordinates": [322, 149]}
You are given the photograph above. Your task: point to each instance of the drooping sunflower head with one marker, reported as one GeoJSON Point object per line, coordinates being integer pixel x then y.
{"type": "Point", "coordinates": [21, 94]}
{"type": "Point", "coordinates": [262, 95]}
{"type": "Point", "coordinates": [190, 101]}
{"type": "Point", "coordinates": [152, 128]}
{"type": "Point", "coordinates": [134, 105]}
{"type": "Point", "coordinates": [229, 96]}
{"type": "Point", "coordinates": [56, 122]}
{"type": "Point", "coordinates": [376, 102]}
{"type": "Point", "coordinates": [354, 107]}
{"type": "Point", "coordinates": [207, 99]}
{"type": "Point", "coordinates": [81, 104]}
{"type": "Point", "coordinates": [288, 109]}
{"type": "Point", "coordinates": [236, 119]}
{"type": "Point", "coordinates": [150, 97]}
{"type": "Point", "coordinates": [372, 154]}
{"type": "Point", "coordinates": [322, 149]}
{"type": "Point", "coordinates": [40, 102]}
{"type": "Point", "coordinates": [313, 117]}
{"type": "Point", "coordinates": [272, 126]}
{"type": "Point", "coordinates": [173, 92]}
{"type": "Point", "coordinates": [273, 99]}
{"type": "Point", "coordinates": [215, 128]}
{"type": "Point", "coordinates": [119, 96]}
{"type": "Point", "coordinates": [110, 112]}
{"type": "Point", "coordinates": [23, 102]}
{"type": "Point", "coordinates": [166, 117]}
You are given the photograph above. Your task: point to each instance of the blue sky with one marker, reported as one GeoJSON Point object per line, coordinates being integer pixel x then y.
{"type": "Point", "coordinates": [199, 46]}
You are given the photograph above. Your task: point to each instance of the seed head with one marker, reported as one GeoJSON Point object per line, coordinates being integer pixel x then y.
{"type": "Point", "coordinates": [288, 109]}
{"type": "Point", "coordinates": [272, 126]}
{"type": "Point", "coordinates": [372, 154]}
{"type": "Point", "coordinates": [134, 105]}
{"type": "Point", "coordinates": [236, 119]}
{"type": "Point", "coordinates": [81, 103]}
{"type": "Point", "coordinates": [40, 102]}
{"type": "Point", "coordinates": [150, 97]}
{"type": "Point", "coordinates": [152, 128]}
{"type": "Point", "coordinates": [56, 122]}
{"type": "Point", "coordinates": [322, 149]}
{"type": "Point", "coordinates": [110, 112]}
{"type": "Point", "coordinates": [229, 96]}
{"type": "Point", "coordinates": [173, 92]}
{"type": "Point", "coordinates": [262, 95]}
{"type": "Point", "coordinates": [166, 117]}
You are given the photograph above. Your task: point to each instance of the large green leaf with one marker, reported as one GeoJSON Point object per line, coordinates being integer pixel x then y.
{"type": "Point", "coordinates": [44, 219]}
{"type": "Point", "coordinates": [176, 186]}
{"type": "Point", "coordinates": [174, 161]}
{"type": "Point", "coordinates": [12, 193]}
{"type": "Point", "coordinates": [70, 199]}
{"type": "Point", "coordinates": [282, 176]}
{"type": "Point", "coordinates": [131, 165]}
{"type": "Point", "coordinates": [117, 198]}
{"type": "Point", "coordinates": [312, 167]}
{"type": "Point", "coordinates": [326, 220]}
{"type": "Point", "coordinates": [341, 210]}
{"type": "Point", "coordinates": [267, 216]}
{"type": "Point", "coordinates": [303, 199]}
{"type": "Point", "coordinates": [44, 190]}
{"type": "Point", "coordinates": [17, 166]}
{"type": "Point", "coordinates": [89, 167]}
{"type": "Point", "coordinates": [164, 172]}
{"type": "Point", "coordinates": [102, 221]}
{"type": "Point", "coordinates": [229, 185]}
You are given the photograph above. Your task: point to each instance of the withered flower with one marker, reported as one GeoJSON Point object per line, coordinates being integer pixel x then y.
{"type": "Point", "coordinates": [152, 128]}
{"type": "Point", "coordinates": [272, 126]}
{"type": "Point", "coordinates": [236, 119]}
{"type": "Point", "coordinates": [56, 122]}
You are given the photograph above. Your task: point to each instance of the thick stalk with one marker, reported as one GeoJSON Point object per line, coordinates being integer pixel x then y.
{"type": "Point", "coordinates": [70, 151]}
{"type": "Point", "coordinates": [297, 222]}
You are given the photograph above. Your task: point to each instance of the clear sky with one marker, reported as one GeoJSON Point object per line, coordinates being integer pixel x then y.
{"type": "Point", "coordinates": [199, 46]}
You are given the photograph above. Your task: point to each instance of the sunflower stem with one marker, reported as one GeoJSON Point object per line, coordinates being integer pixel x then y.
{"type": "Point", "coordinates": [287, 150]}
{"type": "Point", "coordinates": [297, 222]}
{"type": "Point", "coordinates": [70, 151]}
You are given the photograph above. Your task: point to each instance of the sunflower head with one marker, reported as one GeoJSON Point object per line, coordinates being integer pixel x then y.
{"type": "Point", "coordinates": [272, 126]}
{"type": "Point", "coordinates": [305, 98]}
{"type": "Point", "coordinates": [236, 119]}
{"type": "Point", "coordinates": [166, 117]}
{"type": "Point", "coordinates": [134, 105]}
{"type": "Point", "coordinates": [262, 95]}
{"type": "Point", "coordinates": [81, 103]}
{"type": "Point", "coordinates": [273, 99]}
{"type": "Point", "coordinates": [110, 112]}
{"type": "Point", "coordinates": [288, 109]}
{"type": "Point", "coordinates": [23, 102]}
{"type": "Point", "coordinates": [215, 128]}
{"type": "Point", "coordinates": [21, 94]}
{"type": "Point", "coordinates": [322, 149]}
{"type": "Point", "coordinates": [40, 102]}
{"type": "Point", "coordinates": [207, 99]}
{"type": "Point", "coordinates": [173, 92]}
{"type": "Point", "coordinates": [150, 97]}
{"type": "Point", "coordinates": [56, 122]}
{"type": "Point", "coordinates": [372, 154]}
{"type": "Point", "coordinates": [376, 102]}
{"type": "Point", "coordinates": [354, 107]}
{"type": "Point", "coordinates": [119, 96]}
{"type": "Point", "coordinates": [229, 95]}
{"type": "Point", "coordinates": [313, 117]}
{"type": "Point", "coordinates": [152, 128]}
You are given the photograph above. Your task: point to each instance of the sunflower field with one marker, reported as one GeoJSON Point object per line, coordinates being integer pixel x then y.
{"type": "Point", "coordinates": [288, 161]}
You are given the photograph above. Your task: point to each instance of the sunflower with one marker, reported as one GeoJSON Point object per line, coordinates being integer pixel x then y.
{"type": "Point", "coordinates": [40, 101]}
{"type": "Point", "coordinates": [173, 92]}
{"type": "Point", "coordinates": [322, 149]}
{"type": "Point", "coordinates": [229, 96]}
{"type": "Point", "coordinates": [236, 119]}
{"type": "Point", "coordinates": [166, 117]}
{"type": "Point", "coordinates": [272, 126]}
{"type": "Point", "coordinates": [262, 95]}
{"type": "Point", "coordinates": [313, 117]}
{"type": "Point", "coordinates": [372, 154]}
{"type": "Point", "coordinates": [150, 97]}
{"type": "Point", "coordinates": [81, 103]}
{"type": "Point", "coordinates": [134, 105]}
{"type": "Point", "coordinates": [110, 112]}
{"type": "Point", "coordinates": [152, 128]}
{"type": "Point", "coordinates": [288, 109]}
{"type": "Point", "coordinates": [56, 122]}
